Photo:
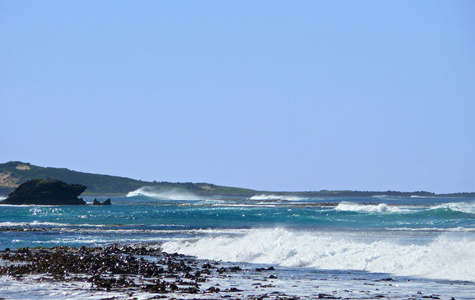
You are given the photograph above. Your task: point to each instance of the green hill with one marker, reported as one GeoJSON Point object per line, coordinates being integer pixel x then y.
{"type": "Point", "coordinates": [14, 173]}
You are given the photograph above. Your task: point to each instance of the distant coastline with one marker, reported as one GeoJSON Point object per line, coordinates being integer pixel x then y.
{"type": "Point", "coordinates": [14, 173]}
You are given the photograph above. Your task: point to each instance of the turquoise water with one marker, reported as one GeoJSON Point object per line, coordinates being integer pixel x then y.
{"type": "Point", "coordinates": [423, 237]}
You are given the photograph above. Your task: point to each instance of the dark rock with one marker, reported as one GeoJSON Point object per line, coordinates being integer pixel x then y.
{"type": "Point", "coordinates": [264, 269]}
{"type": "Point", "coordinates": [207, 266]}
{"type": "Point", "coordinates": [106, 202]}
{"type": "Point", "coordinates": [213, 289]}
{"type": "Point", "coordinates": [327, 296]}
{"type": "Point", "coordinates": [46, 192]}
{"type": "Point", "coordinates": [387, 279]}
{"type": "Point", "coordinates": [233, 289]}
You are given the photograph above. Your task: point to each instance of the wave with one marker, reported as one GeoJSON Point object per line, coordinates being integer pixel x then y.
{"type": "Point", "coordinates": [451, 229]}
{"type": "Point", "coordinates": [36, 223]}
{"type": "Point", "coordinates": [163, 194]}
{"type": "Point", "coordinates": [355, 207]}
{"type": "Point", "coordinates": [463, 207]}
{"type": "Point", "coordinates": [443, 258]}
{"type": "Point", "coordinates": [468, 208]}
{"type": "Point", "coordinates": [276, 197]}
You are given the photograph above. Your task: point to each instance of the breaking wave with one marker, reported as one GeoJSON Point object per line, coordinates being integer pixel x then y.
{"type": "Point", "coordinates": [163, 194]}
{"type": "Point", "coordinates": [446, 208]}
{"type": "Point", "coordinates": [39, 224]}
{"type": "Point", "coordinates": [443, 258]}
{"type": "Point", "coordinates": [276, 197]}
{"type": "Point", "coordinates": [355, 207]}
{"type": "Point", "coordinates": [468, 208]}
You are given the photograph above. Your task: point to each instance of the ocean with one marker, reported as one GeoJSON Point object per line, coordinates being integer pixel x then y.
{"type": "Point", "coordinates": [353, 248]}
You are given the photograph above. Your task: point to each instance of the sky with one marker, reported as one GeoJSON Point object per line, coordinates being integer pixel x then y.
{"type": "Point", "coordinates": [268, 95]}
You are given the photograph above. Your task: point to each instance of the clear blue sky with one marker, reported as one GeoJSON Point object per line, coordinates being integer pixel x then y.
{"type": "Point", "coordinates": [271, 95]}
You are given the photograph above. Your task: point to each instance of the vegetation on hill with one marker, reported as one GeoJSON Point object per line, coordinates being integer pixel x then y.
{"type": "Point", "coordinates": [14, 173]}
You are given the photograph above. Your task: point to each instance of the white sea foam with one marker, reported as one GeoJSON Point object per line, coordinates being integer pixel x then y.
{"type": "Point", "coordinates": [163, 194]}
{"type": "Point", "coordinates": [276, 197]}
{"type": "Point", "coordinates": [464, 207]}
{"type": "Point", "coordinates": [34, 223]}
{"type": "Point", "coordinates": [304, 285]}
{"type": "Point", "coordinates": [37, 224]}
{"type": "Point", "coordinates": [355, 207]}
{"type": "Point", "coordinates": [443, 258]}
{"type": "Point", "coordinates": [453, 229]}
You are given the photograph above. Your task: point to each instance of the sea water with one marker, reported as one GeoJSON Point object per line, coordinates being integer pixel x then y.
{"type": "Point", "coordinates": [426, 244]}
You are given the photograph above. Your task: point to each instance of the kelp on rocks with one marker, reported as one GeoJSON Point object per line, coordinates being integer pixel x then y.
{"type": "Point", "coordinates": [111, 268]}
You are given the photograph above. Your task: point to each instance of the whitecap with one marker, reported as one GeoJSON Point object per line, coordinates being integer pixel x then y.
{"type": "Point", "coordinates": [356, 207]}
{"type": "Point", "coordinates": [468, 208]}
{"type": "Point", "coordinates": [163, 194]}
{"type": "Point", "coordinates": [262, 197]}
{"type": "Point", "coordinates": [442, 258]}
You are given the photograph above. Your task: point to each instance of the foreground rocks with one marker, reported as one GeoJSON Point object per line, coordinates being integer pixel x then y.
{"type": "Point", "coordinates": [144, 272]}
{"type": "Point", "coordinates": [46, 192]}
{"type": "Point", "coordinates": [105, 268]}
{"type": "Point", "coordinates": [115, 268]}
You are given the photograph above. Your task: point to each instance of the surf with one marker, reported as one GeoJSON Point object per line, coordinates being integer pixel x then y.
{"type": "Point", "coordinates": [163, 194]}
{"type": "Point", "coordinates": [463, 207]}
{"type": "Point", "coordinates": [445, 257]}
{"type": "Point", "coordinates": [264, 197]}
{"type": "Point", "coordinates": [356, 207]}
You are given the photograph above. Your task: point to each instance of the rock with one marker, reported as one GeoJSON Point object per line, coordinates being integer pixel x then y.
{"type": "Point", "coordinates": [106, 202]}
{"type": "Point", "coordinates": [46, 192]}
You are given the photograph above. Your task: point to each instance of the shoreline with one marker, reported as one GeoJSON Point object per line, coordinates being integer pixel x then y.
{"type": "Point", "coordinates": [141, 271]}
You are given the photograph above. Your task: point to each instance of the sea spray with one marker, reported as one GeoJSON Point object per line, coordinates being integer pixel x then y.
{"type": "Point", "coordinates": [445, 257]}
{"type": "Point", "coordinates": [264, 197]}
{"type": "Point", "coordinates": [464, 207]}
{"type": "Point", "coordinates": [356, 207]}
{"type": "Point", "coordinates": [163, 194]}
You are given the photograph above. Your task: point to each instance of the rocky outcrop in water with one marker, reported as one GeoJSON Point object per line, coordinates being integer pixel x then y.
{"type": "Point", "coordinates": [46, 192]}
{"type": "Point", "coordinates": [106, 202]}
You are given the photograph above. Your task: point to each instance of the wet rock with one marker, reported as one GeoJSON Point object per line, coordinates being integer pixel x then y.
{"type": "Point", "coordinates": [327, 296]}
{"type": "Point", "coordinates": [213, 289]}
{"type": "Point", "coordinates": [265, 269]}
{"type": "Point", "coordinates": [235, 269]}
{"type": "Point", "coordinates": [112, 268]}
{"type": "Point", "coordinates": [233, 290]}
{"type": "Point", "coordinates": [386, 279]}
{"type": "Point", "coordinates": [106, 202]}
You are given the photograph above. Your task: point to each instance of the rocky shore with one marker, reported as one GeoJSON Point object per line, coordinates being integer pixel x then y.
{"type": "Point", "coordinates": [145, 272]}
{"type": "Point", "coordinates": [125, 269]}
